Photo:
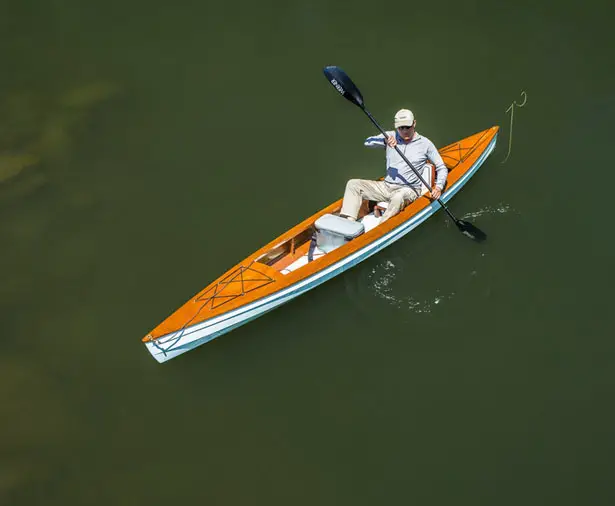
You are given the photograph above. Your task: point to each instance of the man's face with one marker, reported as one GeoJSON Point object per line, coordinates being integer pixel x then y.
{"type": "Point", "coordinates": [406, 131]}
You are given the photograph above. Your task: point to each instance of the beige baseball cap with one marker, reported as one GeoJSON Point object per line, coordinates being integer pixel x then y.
{"type": "Point", "coordinates": [404, 117]}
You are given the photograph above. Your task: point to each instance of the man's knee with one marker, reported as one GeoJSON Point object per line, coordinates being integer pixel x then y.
{"type": "Point", "coordinates": [398, 199]}
{"type": "Point", "coordinates": [354, 185]}
{"type": "Point", "coordinates": [409, 195]}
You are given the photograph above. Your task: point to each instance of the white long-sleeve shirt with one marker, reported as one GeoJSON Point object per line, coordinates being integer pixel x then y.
{"type": "Point", "coordinates": [419, 151]}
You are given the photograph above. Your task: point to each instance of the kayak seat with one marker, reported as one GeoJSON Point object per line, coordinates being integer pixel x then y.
{"type": "Point", "coordinates": [333, 231]}
{"type": "Point", "coordinates": [429, 174]}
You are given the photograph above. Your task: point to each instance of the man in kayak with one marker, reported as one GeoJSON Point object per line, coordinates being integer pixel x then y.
{"type": "Point", "coordinates": [401, 185]}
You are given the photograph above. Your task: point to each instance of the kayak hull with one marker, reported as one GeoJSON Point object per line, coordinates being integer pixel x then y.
{"type": "Point", "coordinates": [189, 336]}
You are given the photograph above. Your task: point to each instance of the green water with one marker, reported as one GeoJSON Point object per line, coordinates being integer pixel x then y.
{"type": "Point", "coordinates": [146, 147]}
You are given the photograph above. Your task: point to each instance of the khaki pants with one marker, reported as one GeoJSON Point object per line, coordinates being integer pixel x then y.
{"type": "Point", "coordinates": [358, 190]}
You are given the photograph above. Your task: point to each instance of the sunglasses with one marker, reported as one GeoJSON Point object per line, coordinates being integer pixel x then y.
{"type": "Point", "coordinates": [405, 127]}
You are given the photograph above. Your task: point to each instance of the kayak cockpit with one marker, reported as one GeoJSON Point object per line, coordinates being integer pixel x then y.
{"type": "Point", "coordinates": [327, 233]}
{"type": "Point", "coordinates": [287, 251]}
{"type": "Point", "coordinates": [330, 232]}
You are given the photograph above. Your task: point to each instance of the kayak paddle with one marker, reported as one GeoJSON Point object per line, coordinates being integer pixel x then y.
{"type": "Point", "coordinates": [344, 85]}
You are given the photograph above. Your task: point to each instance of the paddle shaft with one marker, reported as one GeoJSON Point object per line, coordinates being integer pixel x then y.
{"type": "Point", "coordinates": [409, 164]}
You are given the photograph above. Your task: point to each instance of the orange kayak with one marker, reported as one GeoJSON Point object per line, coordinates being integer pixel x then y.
{"type": "Point", "coordinates": [304, 257]}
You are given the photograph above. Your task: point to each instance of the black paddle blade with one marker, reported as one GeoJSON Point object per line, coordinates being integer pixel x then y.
{"type": "Point", "coordinates": [342, 83]}
{"type": "Point", "coordinates": [469, 230]}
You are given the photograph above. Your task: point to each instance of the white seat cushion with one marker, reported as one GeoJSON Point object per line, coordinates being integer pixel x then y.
{"type": "Point", "coordinates": [339, 226]}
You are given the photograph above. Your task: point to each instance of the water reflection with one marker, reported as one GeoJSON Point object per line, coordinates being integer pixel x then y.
{"type": "Point", "coordinates": [36, 129]}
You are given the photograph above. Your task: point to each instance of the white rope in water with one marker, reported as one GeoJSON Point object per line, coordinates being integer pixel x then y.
{"type": "Point", "coordinates": [512, 114]}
